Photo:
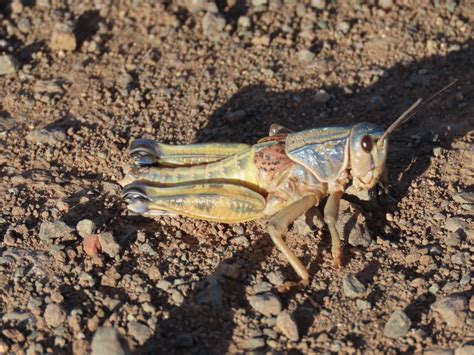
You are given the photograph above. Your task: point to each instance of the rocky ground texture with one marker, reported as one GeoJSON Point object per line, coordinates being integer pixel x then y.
{"type": "Point", "coordinates": [79, 80]}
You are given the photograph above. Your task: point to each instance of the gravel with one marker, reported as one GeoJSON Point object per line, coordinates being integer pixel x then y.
{"type": "Point", "coordinates": [85, 227]}
{"type": "Point", "coordinates": [267, 304]}
{"type": "Point", "coordinates": [397, 325]}
{"type": "Point", "coordinates": [8, 64]}
{"type": "Point", "coordinates": [54, 315]}
{"type": "Point", "coordinates": [287, 325]}
{"type": "Point", "coordinates": [108, 244]}
{"type": "Point", "coordinates": [54, 230]}
{"type": "Point", "coordinates": [107, 341]}
{"type": "Point", "coordinates": [451, 309]}
{"type": "Point", "coordinates": [352, 287]}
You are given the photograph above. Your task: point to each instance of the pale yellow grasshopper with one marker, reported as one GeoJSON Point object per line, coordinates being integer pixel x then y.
{"type": "Point", "coordinates": [281, 176]}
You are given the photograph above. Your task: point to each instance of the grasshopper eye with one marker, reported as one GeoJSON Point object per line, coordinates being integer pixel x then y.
{"type": "Point", "coordinates": [366, 143]}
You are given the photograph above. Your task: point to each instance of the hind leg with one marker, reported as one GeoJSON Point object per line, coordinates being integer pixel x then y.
{"type": "Point", "coordinates": [216, 202]}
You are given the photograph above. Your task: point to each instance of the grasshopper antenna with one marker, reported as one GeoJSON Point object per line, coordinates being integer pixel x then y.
{"type": "Point", "coordinates": [418, 106]}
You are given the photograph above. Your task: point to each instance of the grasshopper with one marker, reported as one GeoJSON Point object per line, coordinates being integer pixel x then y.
{"type": "Point", "coordinates": [280, 177]}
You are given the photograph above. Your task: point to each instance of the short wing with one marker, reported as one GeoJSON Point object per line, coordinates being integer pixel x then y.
{"type": "Point", "coordinates": [324, 151]}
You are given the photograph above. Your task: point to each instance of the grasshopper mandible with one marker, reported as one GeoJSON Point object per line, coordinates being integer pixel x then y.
{"type": "Point", "coordinates": [281, 177]}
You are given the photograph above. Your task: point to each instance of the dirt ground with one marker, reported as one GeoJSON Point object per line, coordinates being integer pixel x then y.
{"type": "Point", "coordinates": [80, 80]}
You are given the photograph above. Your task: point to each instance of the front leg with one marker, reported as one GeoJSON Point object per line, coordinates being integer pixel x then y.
{"type": "Point", "coordinates": [331, 211]}
{"type": "Point", "coordinates": [278, 225]}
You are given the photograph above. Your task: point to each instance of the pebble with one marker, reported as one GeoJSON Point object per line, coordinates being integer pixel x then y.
{"type": "Point", "coordinates": [177, 297]}
{"type": "Point", "coordinates": [453, 239]}
{"type": "Point", "coordinates": [54, 315]}
{"type": "Point", "coordinates": [231, 271]}
{"type": "Point", "coordinates": [343, 26]}
{"type": "Point", "coordinates": [261, 287]}
{"type": "Point", "coordinates": [318, 4]}
{"type": "Point", "coordinates": [211, 294]}
{"type": "Point", "coordinates": [184, 340]}
{"type": "Point", "coordinates": [459, 258]}
{"type": "Point", "coordinates": [452, 310]}
{"type": "Point", "coordinates": [363, 304]}
{"type": "Point", "coordinates": [464, 197]}
{"type": "Point", "coordinates": [44, 136]}
{"type": "Point", "coordinates": [91, 244]}
{"type": "Point", "coordinates": [255, 343]}
{"type": "Point", "coordinates": [268, 304]}
{"type": "Point", "coordinates": [54, 230]}
{"type": "Point", "coordinates": [453, 224]}
{"type": "Point", "coordinates": [306, 56]}
{"type": "Point", "coordinates": [321, 97]}
{"type": "Point", "coordinates": [464, 350]}
{"type": "Point", "coordinates": [85, 227]}
{"type": "Point", "coordinates": [213, 25]}
{"type": "Point", "coordinates": [352, 287]}
{"type": "Point", "coordinates": [163, 285]}
{"type": "Point", "coordinates": [240, 241]}
{"type": "Point", "coordinates": [276, 277]}
{"type": "Point", "coordinates": [3, 347]}
{"type": "Point", "coordinates": [108, 244]}
{"type": "Point", "coordinates": [397, 325]}
{"type": "Point", "coordinates": [106, 341]}
{"type": "Point", "coordinates": [287, 325]}
{"type": "Point", "coordinates": [352, 221]}
{"type": "Point", "coordinates": [244, 22]}
{"type": "Point", "coordinates": [63, 38]}
{"type": "Point", "coordinates": [259, 2]}
{"type": "Point", "coordinates": [385, 4]}
{"type": "Point", "coordinates": [139, 331]}
{"type": "Point", "coordinates": [8, 64]}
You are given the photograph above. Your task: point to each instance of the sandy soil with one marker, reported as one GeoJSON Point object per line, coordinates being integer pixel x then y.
{"type": "Point", "coordinates": [81, 79]}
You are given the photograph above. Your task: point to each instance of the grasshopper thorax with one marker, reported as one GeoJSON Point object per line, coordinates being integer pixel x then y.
{"type": "Point", "coordinates": [367, 154]}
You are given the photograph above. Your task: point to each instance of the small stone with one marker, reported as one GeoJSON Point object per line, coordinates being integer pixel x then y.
{"type": "Point", "coordinates": [54, 230]}
{"type": "Point", "coordinates": [3, 347]}
{"type": "Point", "coordinates": [426, 260]}
{"type": "Point", "coordinates": [363, 304]}
{"type": "Point", "coordinates": [255, 343]}
{"type": "Point", "coordinates": [471, 304]}
{"type": "Point", "coordinates": [267, 303]}
{"type": "Point", "coordinates": [318, 4]}
{"type": "Point", "coordinates": [276, 277]}
{"type": "Point", "coordinates": [63, 38]}
{"type": "Point", "coordinates": [453, 224]}
{"type": "Point", "coordinates": [321, 97]}
{"type": "Point", "coordinates": [91, 244]}
{"type": "Point", "coordinates": [464, 350]}
{"type": "Point", "coordinates": [459, 258]}
{"type": "Point", "coordinates": [44, 136]}
{"type": "Point", "coordinates": [163, 285]}
{"type": "Point", "coordinates": [261, 40]}
{"type": "Point", "coordinates": [244, 22]}
{"type": "Point", "coordinates": [184, 340]}
{"type": "Point", "coordinates": [287, 325]}
{"type": "Point", "coordinates": [438, 352]}
{"type": "Point", "coordinates": [107, 341]}
{"type": "Point", "coordinates": [464, 197]}
{"type": "Point", "coordinates": [139, 331]}
{"type": "Point", "coordinates": [16, 6]}
{"type": "Point", "coordinates": [307, 56]}
{"type": "Point", "coordinates": [397, 325]}
{"type": "Point", "coordinates": [231, 271]}
{"type": "Point", "coordinates": [343, 26]}
{"type": "Point", "coordinates": [452, 310]}
{"type": "Point", "coordinates": [211, 292]}
{"type": "Point", "coordinates": [259, 2]}
{"type": "Point", "coordinates": [352, 287]}
{"type": "Point", "coordinates": [240, 241]}
{"type": "Point", "coordinates": [177, 297]}
{"type": "Point", "coordinates": [453, 239]}
{"type": "Point", "coordinates": [108, 244]}
{"type": "Point", "coordinates": [85, 227]}
{"type": "Point", "coordinates": [54, 315]}
{"type": "Point", "coordinates": [194, 6]}
{"type": "Point", "coordinates": [8, 64]}
{"type": "Point", "coordinates": [261, 287]}
{"type": "Point", "coordinates": [213, 25]}
{"type": "Point", "coordinates": [386, 4]}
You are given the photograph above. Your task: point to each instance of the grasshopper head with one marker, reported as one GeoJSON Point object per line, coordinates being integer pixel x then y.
{"type": "Point", "coordinates": [367, 154]}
